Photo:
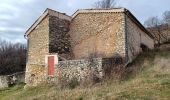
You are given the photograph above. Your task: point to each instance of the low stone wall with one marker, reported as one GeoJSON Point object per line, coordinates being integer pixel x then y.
{"type": "Point", "coordinates": [7, 80]}
{"type": "Point", "coordinates": [80, 69]}
{"type": "Point", "coordinates": [3, 82]}
{"type": "Point", "coordinates": [84, 70]}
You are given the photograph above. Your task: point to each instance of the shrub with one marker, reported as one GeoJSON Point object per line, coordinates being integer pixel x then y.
{"type": "Point", "coordinates": [73, 83]}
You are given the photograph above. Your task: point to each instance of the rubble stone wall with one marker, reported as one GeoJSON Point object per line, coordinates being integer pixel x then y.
{"type": "Point", "coordinates": [79, 69]}
{"type": "Point", "coordinates": [85, 69]}
{"type": "Point", "coordinates": [98, 35]}
{"type": "Point", "coordinates": [7, 80]}
{"type": "Point", "coordinates": [3, 82]}
{"type": "Point", "coordinates": [59, 39]}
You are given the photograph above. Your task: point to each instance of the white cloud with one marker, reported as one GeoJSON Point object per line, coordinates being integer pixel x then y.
{"type": "Point", "coordinates": [16, 16]}
{"type": "Point", "coordinates": [7, 6]}
{"type": "Point", "coordinates": [17, 29]}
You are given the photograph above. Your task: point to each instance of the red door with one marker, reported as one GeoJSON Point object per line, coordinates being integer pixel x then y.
{"type": "Point", "coordinates": [51, 65]}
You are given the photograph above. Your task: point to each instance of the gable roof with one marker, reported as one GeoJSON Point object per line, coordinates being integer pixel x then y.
{"type": "Point", "coordinates": [46, 12]}
{"type": "Point", "coordinates": [114, 10]}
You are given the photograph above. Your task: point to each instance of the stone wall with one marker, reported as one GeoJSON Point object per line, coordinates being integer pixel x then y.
{"type": "Point", "coordinates": [80, 69]}
{"type": "Point", "coordinates": [95, 69]}
{"type": "Point", "coordinates": [135, 37]}
{"type": "Point", "coordinates": [36, 74]}
{"type": "Point", "coordinates": [98, 34]}
{"type": "Point", "coordinates": [148, 41]}
{"type": "Point", "coordinates": [7, 80]}
{"type": "Point", "coordinates": [38, 44]}
{"type": "Point", "coordinates": [3, 82]}
{"type": "Point", "coordinates": [59, 38]}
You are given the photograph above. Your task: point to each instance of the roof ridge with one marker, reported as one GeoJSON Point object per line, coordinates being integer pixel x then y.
{"type": "Point", "coordinates": [98, 10]}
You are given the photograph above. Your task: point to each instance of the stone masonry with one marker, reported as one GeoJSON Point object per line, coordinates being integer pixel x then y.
{"type": "Point", "coordinates": [94, 69]}
{"type": "Point", "coordinates": [92, 34]}
{"type": "Point", "coordinates": [79, 69]}
{"type": "Point", "coordinates": [135, 37]}
{"type": "Point", "coordinates": [40, 44]}
{"type": "Point", "coordinates": [59, 37]}
{"type": "Point", "coordinates": [96, 34]}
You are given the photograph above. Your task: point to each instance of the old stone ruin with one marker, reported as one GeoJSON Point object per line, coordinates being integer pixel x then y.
{"type": "Point", "coordinates": [10, 80]}
{"type": "Point", "coordinates": [83, 47]}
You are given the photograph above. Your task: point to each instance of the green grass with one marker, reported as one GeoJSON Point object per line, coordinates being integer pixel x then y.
{"type": "Point", "coordinates": [148, 78]}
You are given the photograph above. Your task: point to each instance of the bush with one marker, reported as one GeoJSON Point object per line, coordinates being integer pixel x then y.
{"type": "Point", "coordinates": [73, 83]}
{"type": "Point", "coordinates": [64, 82]}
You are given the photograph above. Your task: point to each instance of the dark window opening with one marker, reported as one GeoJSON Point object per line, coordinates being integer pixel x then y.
{"type": "Point", "coordinates": [144, 48]}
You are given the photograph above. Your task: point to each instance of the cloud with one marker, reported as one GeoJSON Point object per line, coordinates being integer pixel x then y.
{"type": "Point", "coordinates": [16, 16]}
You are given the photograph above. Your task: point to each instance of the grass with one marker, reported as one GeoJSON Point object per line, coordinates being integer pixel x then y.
{"type": "Point", "coordinates": [148, 78]}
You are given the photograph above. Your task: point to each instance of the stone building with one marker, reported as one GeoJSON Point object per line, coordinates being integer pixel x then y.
{"type": "Point", "coordinates": [60, 44]}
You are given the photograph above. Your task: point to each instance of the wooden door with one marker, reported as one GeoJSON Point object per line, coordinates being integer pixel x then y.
{"type": "Point", "coordinates": [51, 65]}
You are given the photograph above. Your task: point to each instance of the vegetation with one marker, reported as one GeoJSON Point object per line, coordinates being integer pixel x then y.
{"type": "Point", "coordinates": [148, 78]}
{"type": "Point", "coordinates": [159, 27]}
{"type": "Point", "coordinates": [12, 57]}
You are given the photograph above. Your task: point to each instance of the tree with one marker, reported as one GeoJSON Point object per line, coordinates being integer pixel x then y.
{"type": "Point", "coordinates": [105, 4]}
{"type": "Point", "coordinates": [166, 17]}
{"type": "Point", "coordinates": [152, 22]}
{"type": "Point", "coordinates": [12, 57]}
{"type": "Point", "coordinates": [156, 27]}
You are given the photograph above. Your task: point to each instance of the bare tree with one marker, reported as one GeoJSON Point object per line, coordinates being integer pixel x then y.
{"type": "Point", "coordinates": [166, 17]}
{"type": "Point", "coordinates": [152, 22]}
{"type": "Point", "coordinates": [12, 57]}
{"type": "Point", "coordinates": [105, 4]}
{"type": "Point", "coordinates": [155, 26]}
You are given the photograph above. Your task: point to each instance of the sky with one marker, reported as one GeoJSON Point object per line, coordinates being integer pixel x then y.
{"type": "Point", "coordinates": [16, 16]}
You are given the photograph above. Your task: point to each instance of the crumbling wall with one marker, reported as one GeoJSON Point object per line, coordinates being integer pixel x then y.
{"type": "Point", "coordinates": [7, 80]}
{"type": "Point", "coordinates": [98, 34]}
{"type": "Point", "coordinates": [59, 39]}
{"type": "Point", "coordinates": [3, 82]}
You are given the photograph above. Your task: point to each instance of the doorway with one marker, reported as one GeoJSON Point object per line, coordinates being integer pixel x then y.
{"type": "Point", "coordinates": [51, 65]}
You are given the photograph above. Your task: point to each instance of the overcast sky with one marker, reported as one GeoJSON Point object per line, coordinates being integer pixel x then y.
{"type": "Point", "coordinates": [16, 16]}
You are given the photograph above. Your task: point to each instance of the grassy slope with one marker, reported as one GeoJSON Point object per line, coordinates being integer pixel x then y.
{"type": "Point", "coordinates": [150, 82]}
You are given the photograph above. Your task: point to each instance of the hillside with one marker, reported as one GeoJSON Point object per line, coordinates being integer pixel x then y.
{"type": "Point", "coordinates": [148, 78]}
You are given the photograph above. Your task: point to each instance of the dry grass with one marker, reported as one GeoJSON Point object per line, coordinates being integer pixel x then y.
{"type": "Point", "coordinates": [148, 78]}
